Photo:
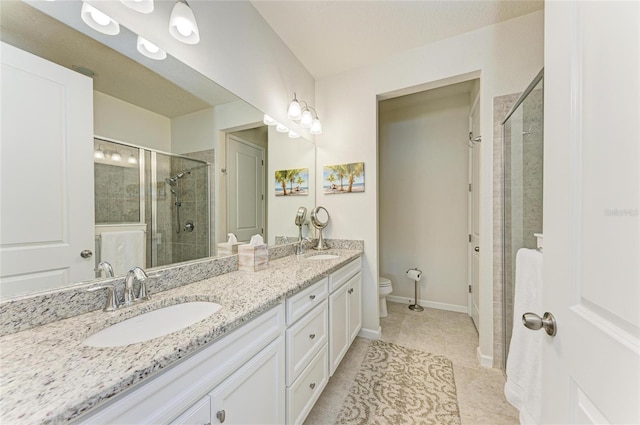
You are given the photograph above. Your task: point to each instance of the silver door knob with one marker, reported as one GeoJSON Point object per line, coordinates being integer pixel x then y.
{"type": "Point", "coordinates": [86, 253]}
{"type": "Point", "coordinates": [221, 415]}
{"type": "Point", "coordinates": [535, 322]}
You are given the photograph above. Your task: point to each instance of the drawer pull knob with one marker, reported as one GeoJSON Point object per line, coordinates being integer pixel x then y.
{"type": "Point", "coordinates": [313, 297]}
{"type": "Point", "coordinates": [312, 336]}
{"type": "Point", "coordinates": [312, 385]}
{"type": "Point", "coordinates": [221, 415]}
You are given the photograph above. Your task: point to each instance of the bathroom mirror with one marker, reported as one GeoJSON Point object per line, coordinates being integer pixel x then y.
{"type": "Point", "coordinates": [177, 97]}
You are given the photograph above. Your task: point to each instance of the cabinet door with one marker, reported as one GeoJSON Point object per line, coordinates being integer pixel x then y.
{"type": "Point", "coordinates": [255, 393]}
{"type": "Point", "coordinates": [198, 414]}
{"type": "Point", "coordinates": [355, 306]}
{"type": "Point", "coordinates": [338, 326]}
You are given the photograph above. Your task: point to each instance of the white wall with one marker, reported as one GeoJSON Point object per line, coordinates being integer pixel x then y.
{"type": "Point", "coordinates": [423, 174]}
{"type": "Point", "coordinates": [193, 132]}
{"type": "Point", "coordinates": [124, 122]}
{"type": "Point", "coordinates": [506, 57]}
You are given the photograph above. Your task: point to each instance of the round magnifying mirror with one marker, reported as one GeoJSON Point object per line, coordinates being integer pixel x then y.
{"type": "Point", "coordinates": [300, 216]}
{"type": "Point", "coordinates": [320, 217]}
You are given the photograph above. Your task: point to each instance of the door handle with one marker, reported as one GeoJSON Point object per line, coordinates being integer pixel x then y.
{"type": "Point", "coordinates": [534, 322]}
{"type": "Point", "coordinates": [86, 253]}
{"type": "Point", "coordinates": [476, 249]}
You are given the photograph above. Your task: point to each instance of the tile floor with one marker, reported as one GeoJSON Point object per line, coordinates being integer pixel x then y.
{"type": "Point", "coordinates": [480, 389]}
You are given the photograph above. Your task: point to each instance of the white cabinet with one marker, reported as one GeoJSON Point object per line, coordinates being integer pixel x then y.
{"type": "Point", "coordinates": [345, 311]}
{"type": "Point", "coordinates": [307, 336]}
{"type": "Point", "coordinates": [198, 414]}
{"type": "Point", "coordinates": [254, 394]}
{"type": "Point", "coordinates": [251, 358]}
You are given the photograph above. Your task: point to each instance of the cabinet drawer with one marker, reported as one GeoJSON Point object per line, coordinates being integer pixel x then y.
{"type": "Point", "coordinates": [304, 339]}
{"type": "Point", "coordinates": [304, 393]}
{"type": "Point", "coordinates": [340, 277]}
{"type": "Point", "coordinates": [302, 302]}
{"type": "Point", "coordinates": [198, 414]}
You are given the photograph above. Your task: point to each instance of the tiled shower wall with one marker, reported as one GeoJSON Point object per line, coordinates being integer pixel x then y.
{"type": "Point", "coordinates": [117, 194]}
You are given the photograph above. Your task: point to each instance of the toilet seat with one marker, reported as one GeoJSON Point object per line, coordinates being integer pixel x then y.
{"type": "Point", "coordinates": [383, 282]}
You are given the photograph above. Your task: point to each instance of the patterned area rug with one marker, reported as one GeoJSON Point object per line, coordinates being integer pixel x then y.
{"type": "Point", "coordinates": [398, 385]}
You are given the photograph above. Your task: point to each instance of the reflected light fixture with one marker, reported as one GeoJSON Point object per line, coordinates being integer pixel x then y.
{"type": "Point", "coordinates": [149, 49]}
{"type": "Point", "coordinates": [132, 159]}
{"type": "Point", "coordinates": [142, 6]}
{"type": "Point", "coordinates": [115, 156]}
{"type": "Point", "coordinates": [295, 111]}
{"type": "Point", "coordinates": [98, 20]}
{"type": "Point", "coordinates": [281, 128]}
{"type": "Point", "coordinates": [293, 135]}
{"type": "Point", "coordinates": [182, 23]}
{"type": "Point", "coordinates": [268, 120]}
{"type": "Point", "coordinates": [316, 126]}
{"type": "Point", "coordinates": [99, 153]}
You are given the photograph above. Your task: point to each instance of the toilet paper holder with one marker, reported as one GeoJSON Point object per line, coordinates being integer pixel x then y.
{"type": "Point", "coordinates": [415, 274]}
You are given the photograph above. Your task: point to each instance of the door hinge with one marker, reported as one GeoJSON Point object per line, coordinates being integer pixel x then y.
{"type": "Point", "coordinates": [469, 187]}
{"type": "Point", "coordinates": [470, 135]}
{"type": "Point", "coordinates": [469, 288]}
{"type": "Point", "coordinates": [263, 162]}
{"type": "Point", "coordinates": [262, 197]}
{"type": "Point", "coordinates": [469, 238]}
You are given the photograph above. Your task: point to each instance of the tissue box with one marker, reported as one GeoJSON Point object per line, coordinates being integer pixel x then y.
{"type": "Point", "coordinates": [226, 248]}
{"type": "Point", "coordinates": [253, 257]}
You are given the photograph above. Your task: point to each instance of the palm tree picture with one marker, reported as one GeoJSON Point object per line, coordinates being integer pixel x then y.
{"type": "Point", "coordinates": [293, 182]}
{"type": "Point", "coordinates": [344, 178]}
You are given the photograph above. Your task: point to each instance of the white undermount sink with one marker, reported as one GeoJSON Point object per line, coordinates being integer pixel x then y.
{"type": "Point", "coordinates": [152, 324]}
{"type": "Point", "coordinates": [323, 257]}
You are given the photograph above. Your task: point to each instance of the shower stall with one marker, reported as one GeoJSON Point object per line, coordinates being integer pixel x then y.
{"type": "Point", "coordinates": [522, 153]}
{"type": "Point", "coordinates": [164, 195]}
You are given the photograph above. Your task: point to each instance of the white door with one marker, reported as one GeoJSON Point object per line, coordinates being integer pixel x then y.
{"type": "Point", "coordinates": [474, 212]}
{"type": "Point", "coordinates": [245, 192]}
{"type": "Point", "coordinates": [591, 368]}
{"type": "Point", "coordinates": [46, 174]}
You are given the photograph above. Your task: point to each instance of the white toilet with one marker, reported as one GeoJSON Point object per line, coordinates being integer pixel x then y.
{"type": "Point", "coordinates": [384, 289]}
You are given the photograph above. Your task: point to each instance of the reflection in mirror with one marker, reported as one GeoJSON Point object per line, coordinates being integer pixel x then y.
{"type": "Point", "coordinates": [177, 125]}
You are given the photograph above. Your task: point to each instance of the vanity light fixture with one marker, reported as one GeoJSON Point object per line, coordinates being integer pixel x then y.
{"type": "Point", "coordinates": [281, 128]}
{"type": "Point", "coordinates": [142, 6]}
{"type": "Point", "coordinates": [295, 111]}
{"type": "Point", "coordinates": [115, 156]}
{"type": "Point", "coordinates": [132, 159]}
{"type": "Point", "coordinates": [304, 116]}
{"type": "Point", "coordinates": [182, 23]}
{"type": "Point", "coordinates": [99, 153]}
{"type": "Point", "coordinates": [98, 20]}
{"type": "Point", "coordinates": [149, 49]}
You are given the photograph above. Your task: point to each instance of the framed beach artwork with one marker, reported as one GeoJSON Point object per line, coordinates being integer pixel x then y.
{"type": "Point", "coordinates": [343, 178]}
{"type": "Point", "coordinates": [294, 182]}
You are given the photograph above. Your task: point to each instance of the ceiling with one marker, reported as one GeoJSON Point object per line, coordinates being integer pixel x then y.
{"type": "Point", "coordinates": [330, 37]}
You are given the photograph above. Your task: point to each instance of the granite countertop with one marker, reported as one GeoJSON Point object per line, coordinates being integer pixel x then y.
{"type": "Point", "coordinates": [48, 376]}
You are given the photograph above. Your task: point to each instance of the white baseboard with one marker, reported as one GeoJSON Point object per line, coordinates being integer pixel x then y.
{"type": "Point", "coordinates": [430, 304]}
{"type": "Point", "coordinates": [484, 360]}
{"type": "Point", "coordinates": [370, 334]}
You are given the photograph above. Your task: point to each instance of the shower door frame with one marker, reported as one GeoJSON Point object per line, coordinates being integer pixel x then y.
{"type": "Point", "coordinates": [513, 109]}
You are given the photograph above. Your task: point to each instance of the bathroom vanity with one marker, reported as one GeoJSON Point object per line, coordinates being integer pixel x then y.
{"type": "Point", "coordinates": [264, 357]}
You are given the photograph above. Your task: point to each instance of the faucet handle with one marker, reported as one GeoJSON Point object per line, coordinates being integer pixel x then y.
{"type": "Point", "coordinates": [143, 294]}
{"type": "Point", "coordinates": [111, 303]}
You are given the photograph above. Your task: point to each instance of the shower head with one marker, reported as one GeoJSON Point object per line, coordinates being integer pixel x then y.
{"type": "Point", "coordinates": [171, 181]}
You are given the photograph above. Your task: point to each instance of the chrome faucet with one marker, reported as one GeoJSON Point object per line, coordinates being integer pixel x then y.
{"type": "Point", "coordinates": [136, 273]}
{"type": "Point", "coordinates": [105, 266]}
{"type": "Point", "coordinates": [300, 245]}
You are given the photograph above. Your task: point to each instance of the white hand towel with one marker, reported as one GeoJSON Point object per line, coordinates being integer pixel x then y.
{"type": "Point", "coordinates": [523, 388]}
{"type": "Point", "coordinates": [122, 250]}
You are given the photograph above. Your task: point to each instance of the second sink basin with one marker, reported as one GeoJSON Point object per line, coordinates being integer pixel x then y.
{"type": "Point", "coordinates": [152, 324]}
{"type": "Point", "coordinates": [323, 257]}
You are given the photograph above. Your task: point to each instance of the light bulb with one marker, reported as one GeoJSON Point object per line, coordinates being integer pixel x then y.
{"type": "Point", "coordinates": [293, 135]}
{"type": "Point", "coordinates": [294, 110]}
{"type": "Point", "coordinates": [116, 156]}
{"type": "Point", "coordinates": [132, 159]}
{"type": "Point", "coordinates": [281, 128]}
{"type": "Point", "coordinates": [142, 6]}
{"type": "Point", "coordinates": [316, 127]}
{"type": "Point", "coordinates": [98, 20]}
{"type": "Point", "coordinates": [99, 154]}
{"type": "Point", "coordinates": [306, 119]}
{"type": "Point", "coordinates": [182, 24]}
{"type": "Point", "coordinates": [150, 50]}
